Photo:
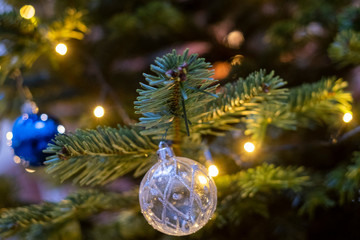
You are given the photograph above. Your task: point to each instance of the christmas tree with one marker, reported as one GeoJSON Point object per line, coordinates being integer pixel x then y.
{"type": "Point", "coordinates": [262, 93]}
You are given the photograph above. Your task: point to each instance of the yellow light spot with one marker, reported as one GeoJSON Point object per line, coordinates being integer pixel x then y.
{"type": "Point", "coordinates": [17, 160]}
{"type": "Point", "coordinates": [347, 117]}
{"type": "Point", "coordinates": [61, 49]}
{"type": "Point", "coordinates": [29, 170]}
{"type": "Point", "coordinates": [249, 147]}
{"type": "Point", "coordinates": [27, 11]}
{"type": "Point", "coordinates": [9, 135]}
{"type": "Point", "coordinates": [235, 39]}
{"type": "Point", "coordinates": [99, 111]}
{"type": "Point", "coordinates": [202, 180]}
{"type": "Point", "coordinates": [213, 171]}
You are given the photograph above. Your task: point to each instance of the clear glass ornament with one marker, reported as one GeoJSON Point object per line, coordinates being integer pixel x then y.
{"type": "Point", "coordinates": [177, 196]}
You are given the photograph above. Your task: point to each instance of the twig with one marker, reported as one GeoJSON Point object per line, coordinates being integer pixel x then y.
{"type": "Point", "coordinates": [349, 134]}
{"type": "Point", "coordinates": [118, 103]}
{"type": "Point", "coordinates": [342, 139]}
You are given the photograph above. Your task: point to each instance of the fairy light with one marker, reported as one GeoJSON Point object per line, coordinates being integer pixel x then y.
{"type": "Point", "coordinates": [27, 11]}
{"type": "Point", "coordinates": [44, 117]}
{"type": "Point", "coordinates": [61, 129]}
{"type": "Point", "coordinates": [249, 147]}
{"type": "Point", "coordinates": [61, 49]}
{"type": "Point", "coordinates": [347, 117]}
{"type": "Point", "coordinates": [213, 170]}
{"type": "Point", "coordinates": [99, 112]}
{"type": "Point", "coordinates": [17, 159]}
{"type": "Point", "coordinates": [9, 136]}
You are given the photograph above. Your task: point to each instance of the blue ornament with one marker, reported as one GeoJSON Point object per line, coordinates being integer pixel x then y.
{"type": "Point", "coordinates": [31, 135]}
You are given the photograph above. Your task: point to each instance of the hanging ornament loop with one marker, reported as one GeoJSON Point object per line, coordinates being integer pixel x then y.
{"type": "Point", "coordinates": [164, 152]}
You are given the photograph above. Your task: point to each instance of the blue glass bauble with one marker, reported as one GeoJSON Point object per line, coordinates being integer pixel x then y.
{"type": "Point", "coordinates": [31, 135]}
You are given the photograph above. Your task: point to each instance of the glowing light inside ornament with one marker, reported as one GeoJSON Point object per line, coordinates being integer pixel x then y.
{"type": "Point", "coordinates": [17, 160]}
{"type": "Point", "coordinates": [27, 11]}
{"type": "Point", "coordinates": [61, 129]}
{"type": "Point", "coordinates": [9, 136]}
{"type": "Point", "coordinates": [44, 117]}
{"type": "Point", "coordinates": [202, 180]}
{"type": "Point", "coordinates": [213, 170]}
{"type": "Point", "coordinates": [99, 112]}
{"type": "Point", "coordinates": [61, 49]}
{"type": "Point", "coordinates": [347, 117]}
{"type": "Point", "coordinates": [249, 147]}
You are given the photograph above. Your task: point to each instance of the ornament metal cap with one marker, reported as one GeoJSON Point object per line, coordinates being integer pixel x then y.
{"type": "Point", "coordinates": [164, 151]}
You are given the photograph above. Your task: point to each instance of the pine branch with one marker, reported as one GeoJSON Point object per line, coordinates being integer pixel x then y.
{"type": "Point", "coordinates": [346, 180]}
{"type": "Point", "coordinates": [240, 101]}
{"type": "Point", "coordinates": [178, 79]}
{"type": "Point", "coordinates": [77, 206]}
{"type": "Point", "coordinates": [322, 101]}
{"type": "Point", "coordinates": [247, 192]}
{"type": "Point", "coordinates": [264, 178]}
{"type": "Point", "coordinates": [28, 40]}
{"type": "Point", "coordinates": [346, 48]}
{"type": "Point", "coordinates": [315, 198]}
{"type": "Point", "coordinates": [93, 157]}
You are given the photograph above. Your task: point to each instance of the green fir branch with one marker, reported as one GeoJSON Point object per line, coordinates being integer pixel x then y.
{"type": "Point", "coordinates": [248, 192]}
{"type": "Point", "coordinates": [241, 101]}
{"type": "Point", "coordinates": [264, 178]}
{"type": "Point", "coordinates": [346, 180]}
{"type": "Point", "coordinates": [177, 79]}
{"type": "Point", "coordinates": [346, 48]}
{"type": "Point", "coordinates": [77, 206]}
{"type": "Point", "coordinates": [96, 157]}
{"type": "Point", "coordinates": [323, 101]}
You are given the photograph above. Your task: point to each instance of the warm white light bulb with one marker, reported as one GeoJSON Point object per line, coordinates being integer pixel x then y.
{"type": "Point", "coordinates": [213, 171]}
{"type": "Point", "coordinates": [9, 135]}
{"type": "Point", "coordinates": [61, 49]}
{"type": "Point", "coordinates": [99, 111]}
{"type": "Point", "coordinates": [44, 117]}
{"type": "Point", "coordinates": [61, 129]}
{"type": "Point", "coordinates": [249, 147]}
{"type": "Point", "coordinates": [347, 117]}
{"type": "Point", "coordinates": [27, 11]}
{"type": "Point", "coordinates": [17, 159]}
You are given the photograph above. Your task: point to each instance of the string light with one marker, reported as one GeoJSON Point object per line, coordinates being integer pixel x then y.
{"type": "Point", "coordinates": [44, 117]}
{"type": "Point", "coordinates": [27, 11]}
{"type": "Point", "coordinates": [235, 39]}
{"type": "Point", "coordinates": [9, 135]}
{"type": "Point", "coordinates": [249, 147]}
{"type": "Point", "coordinates": [99, 111]}
{"type": "Point", "coordinates": [61, 49]}
{"type": "Point", "coordinates": [347, 117]}
{"type": "Point", "coordinates": [17, 160]}
{"type": "Point", "coordinates": [61, 129]}
{"type": "Point", "coordinates": [213, 170]}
